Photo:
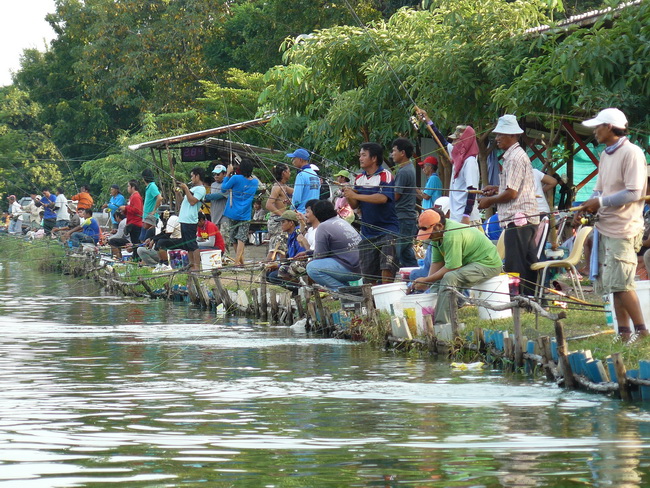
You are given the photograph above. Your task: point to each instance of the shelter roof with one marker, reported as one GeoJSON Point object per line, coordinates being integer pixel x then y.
{"type": "Point", "coordinates": [200, 135]}
{"type": "Point", "coordinates": [584, 19]}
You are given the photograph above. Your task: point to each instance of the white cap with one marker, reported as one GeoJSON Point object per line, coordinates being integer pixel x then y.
{"type": "Point", "coordinates": [443, 204]}
{"type": "Point", "coordinates": [314, 167]}
{"type": "Point", "coordinates": [611, 116]}
{"type": "Point", "coordinates": [507, 124]}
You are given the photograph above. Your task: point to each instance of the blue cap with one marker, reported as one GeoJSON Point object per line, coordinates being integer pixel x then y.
{"type": "Point", "coordinates": [300, 153]}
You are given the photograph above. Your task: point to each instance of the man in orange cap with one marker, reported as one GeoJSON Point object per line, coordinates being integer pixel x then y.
{"type": "Point", "coordinates": [461, 256]}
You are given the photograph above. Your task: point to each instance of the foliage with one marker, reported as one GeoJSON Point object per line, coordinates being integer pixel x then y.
{"type": "Point", "coordinates": [28, 158]}
{"type": "Point", "coordinates": [353, 83]}
{"type": "Point", "coordinates": [583, 70]}
{"type": "Point", "coordinates": [250, 36]}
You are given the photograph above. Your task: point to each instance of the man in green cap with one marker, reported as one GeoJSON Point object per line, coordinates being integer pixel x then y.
{"type": "Point", "coordinates": [287, 274]}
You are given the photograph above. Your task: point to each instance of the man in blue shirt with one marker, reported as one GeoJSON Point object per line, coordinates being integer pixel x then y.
{"type": "Point", "coordinates": [373, 194]}
{"type": "Point", "coordinates": [432, 188]}
{"type": "Point", "coordinates": [114, 203]}
{"type": "Point", "coordinates": [189, 216]}
{"type": "Point", "coordinates": [307, 184]}
{"type": "Point", "coordinates": [87, 232]}
{"type": "Point", "coordinates": [48, 202]}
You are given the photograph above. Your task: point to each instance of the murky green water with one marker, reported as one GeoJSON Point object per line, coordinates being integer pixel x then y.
{"type": "Point", "coordinates": [97, 390]}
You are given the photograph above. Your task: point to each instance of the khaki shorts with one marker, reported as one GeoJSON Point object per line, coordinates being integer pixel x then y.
{"type": "Point", "coordinates": [617, 261]}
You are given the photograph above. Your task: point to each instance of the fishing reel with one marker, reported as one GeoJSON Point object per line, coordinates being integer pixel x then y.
{"type": "Point", "coordinates": [415, 122]}
{"type": "Point", "coordinates": [589, 219]}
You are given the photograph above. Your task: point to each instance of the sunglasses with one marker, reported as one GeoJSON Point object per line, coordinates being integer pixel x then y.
{"type": "Point", "coordinates": [425, 228]}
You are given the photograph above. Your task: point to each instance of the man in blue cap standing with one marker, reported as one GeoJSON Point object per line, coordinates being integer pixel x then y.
{"type": "Point", "coordinates": [307, 185]}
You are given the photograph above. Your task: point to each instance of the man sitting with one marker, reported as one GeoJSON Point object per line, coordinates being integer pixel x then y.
{"type": "Point", "coordinates": [119, 239]}
{"type": "Point", "coordinates": [336, 251]}
{"type": "Point", "coordinates": [87, 232]}
{"type": "Point", "coordinates": [461, 256]}
{"type": "Point", "coordinates": [208, 235]}
{"type": "Point", "coordinates": [288, 274]}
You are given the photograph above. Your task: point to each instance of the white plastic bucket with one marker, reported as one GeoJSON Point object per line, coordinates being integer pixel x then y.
{"type": "Point", "coordinates": [415, 307]}
{"type": "Point", "coordinates": [210, 259]}
{"type": "Point", "coordinates": [494, 291]}
{"type": "Point", "coordinates": [405, 273]}
{"type": "Point", "coordinates": [387, 295]}
{"type": "Point", "coordinates": [643, 292]}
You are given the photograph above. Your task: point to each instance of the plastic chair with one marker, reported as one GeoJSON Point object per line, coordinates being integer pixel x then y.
{"type": "Point", "coordinates": [501, 246]}
{"type": "Point", "coordinates": [569, 264]}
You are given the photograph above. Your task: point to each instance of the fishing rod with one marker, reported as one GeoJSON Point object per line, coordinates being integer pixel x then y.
{"type": "Point", "coordinates": [581, 207]}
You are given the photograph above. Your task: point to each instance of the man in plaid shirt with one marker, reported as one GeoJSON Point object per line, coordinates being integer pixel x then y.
{"type": "Point", "coordinates": [516, 204]}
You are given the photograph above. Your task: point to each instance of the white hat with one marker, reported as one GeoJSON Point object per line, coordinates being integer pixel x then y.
{"type": "Point", "coordinates": [443, 204]}
{"type": "Point", "coordinates": [611, 116]}
{"type": "Point", "coordinates": [314, 167]}
{"type": "Point", "coordinates": [507, 124]}
{"type": "Point", "coordinates": [219, 168]}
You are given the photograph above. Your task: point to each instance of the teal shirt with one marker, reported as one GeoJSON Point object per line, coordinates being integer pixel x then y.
{"type": "Point", "coordinates": [189, 214]}
{"type": "Point", "coordinates": [150, 195]}
{"type": "Point", "coordinates": [462, 245]}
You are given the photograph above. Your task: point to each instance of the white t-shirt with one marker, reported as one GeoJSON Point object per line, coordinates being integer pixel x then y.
{"type": "Point", "coordinates": [542, 204]}
{"type": "Point", "coordinates": [15, 209]}
{"type": "Point", "coordinates": [60, 205]}
{"type": "Point", "coordinates": [468, 176]}
{"type": "Point", "coordinates": [310, 235]}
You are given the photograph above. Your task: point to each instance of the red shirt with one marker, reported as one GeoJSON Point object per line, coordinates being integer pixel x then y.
{"type": "Point", "coordinates": [208, 230]}
{"type": "Point", "coordinates": [133, 210]}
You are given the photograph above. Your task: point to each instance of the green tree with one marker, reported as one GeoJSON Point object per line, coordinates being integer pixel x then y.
{"type": "Point", "coordinates": [28, 158]}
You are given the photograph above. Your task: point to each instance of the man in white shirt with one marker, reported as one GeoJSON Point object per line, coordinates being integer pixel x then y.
{"type": "Point", "coordinates": [61, 209]}
{"type": "Point", "coordinates": [15, 216]}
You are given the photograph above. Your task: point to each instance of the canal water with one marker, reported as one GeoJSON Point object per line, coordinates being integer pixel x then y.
{"type": "Point", "coordinates": [98, 390]}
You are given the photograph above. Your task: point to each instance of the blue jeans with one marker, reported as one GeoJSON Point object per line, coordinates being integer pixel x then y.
{"type": "Point", "coordinates": [407, 232]}
{"type": "Point", "coordinates": [79, 237]}
{"type": "Point", "coordinates": [330, 273]}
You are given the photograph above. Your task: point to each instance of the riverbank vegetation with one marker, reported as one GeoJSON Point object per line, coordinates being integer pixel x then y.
{"type": "Point", "coordinates": [124, 71]}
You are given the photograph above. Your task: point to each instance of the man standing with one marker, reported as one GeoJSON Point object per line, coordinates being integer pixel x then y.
{"type": "Point", "coordinates": [405, 201]}
{"type": "Point", "coordinates": [114, 203]}
{"type": "Point", "coordinates": [461, 256]}
{"type": "Point", "coordinates": [516, 204]}
{"type": "Point", "coordinates": [463, 149]}
{"type": "Point", "coordinates": [189, 216]}
{"type": "Point", "coordinates": [152, 200]}
{"type": "Point", "coordinates": [622, 181]}
{"type": "Point", "coordinates": [216, 198]}
{"type": "Point", "coordinates": [15, 216]}
{"type": "Point", "coordinates": [48, 201]}
{"type": "Point", "coordinates": [133, 212]}
{"type": "Point", "coordinates": [373, 194]}
{"type": "Point", "coordinates": [307, 184]}
{"type": "Point", "coordinates": [61, 209]}
{"type": "Point", "coordinates": [336, 252]}
{"type": "Point", "coordinates": [83, 198]}
{"type": "Point", "coordinates": [433, 187]}
{"type": "Point", "coordinates": [238, 208]}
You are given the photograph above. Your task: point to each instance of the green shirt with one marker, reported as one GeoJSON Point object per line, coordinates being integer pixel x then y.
{"type": "Point", "coordinates": [462, 245]}
{"type": "Point", "coordinates": [150, 195]}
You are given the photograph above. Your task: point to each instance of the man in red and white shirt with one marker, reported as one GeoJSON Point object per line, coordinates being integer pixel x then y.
{"type": "Point", "coordinates": [208, 235]}
{"type": "Point", "coordinates": [516, 204]}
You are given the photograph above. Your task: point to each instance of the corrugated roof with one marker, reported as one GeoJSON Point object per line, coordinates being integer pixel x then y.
{"type": "Point", "coordinates": [204, 134]}
{"type": "Point", "coordinates": [583, 19]}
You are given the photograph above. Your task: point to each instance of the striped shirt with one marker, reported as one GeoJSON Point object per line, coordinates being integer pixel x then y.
{"type": "Point", "coordinates": [517, 174]}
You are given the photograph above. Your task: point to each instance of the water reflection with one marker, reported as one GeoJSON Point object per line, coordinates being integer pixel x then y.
{"type": "Point", "coordinates": [97, 390]}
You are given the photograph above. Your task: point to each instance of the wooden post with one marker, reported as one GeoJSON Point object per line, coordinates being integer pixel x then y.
{"type": "Point", "coordinates": [256, 302]}
{"type": "Point", "coordinates": [147, 287]}
{"type": "Point", "coordinates": [264, 306]}
{"type": "Point", "coordinates": [547, 357]}
{"type": "Point", "coordinates": [480, 338]}
{"type": "Point", "coordinates": [191, 289]}
{"type": "Point", "coordinates": [431, 331]}
{"type": "Point", "coordinates": [274, 305]}
{"type": "Point", "coordinates": [223, 293]}
{"type": "Point", "coordinates": [453, 313]}
{"type": "Point", "coordinates": [319, 308]}
{"type": "Point", "coordinates": [367, 303]}
{"type": "Point", "coordinates": [621, 377]}
{"type": "Point", "coordinates": [519, 353]}
{"type": "Point", "coordinates": [567, 372]}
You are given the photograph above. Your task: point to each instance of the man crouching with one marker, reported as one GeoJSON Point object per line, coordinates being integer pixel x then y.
{"type": "Point", "coordinates": [461, 256]}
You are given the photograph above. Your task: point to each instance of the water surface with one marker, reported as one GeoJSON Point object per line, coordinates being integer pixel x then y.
{"type": "Point", "coordinates": [99, 390]}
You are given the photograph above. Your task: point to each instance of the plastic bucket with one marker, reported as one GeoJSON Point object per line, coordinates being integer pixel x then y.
{"type": "Point", "coordinates": [210, 259]}
{"type": "Point", "coordinates": [389, 294]}
{"type": "Point", "coordinates": [405, 273]}
{"type": "Point", "coordinates": [643, 292]}
{"type": "Point", "coordinates": [415, 308]}
{"type": "Point", "coordinates": [494, 291]}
